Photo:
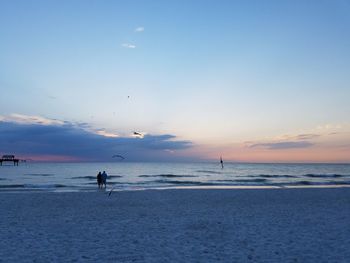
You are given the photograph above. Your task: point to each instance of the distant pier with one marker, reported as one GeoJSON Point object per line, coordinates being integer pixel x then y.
{"type": "Point", "coordinates": [9, 158]}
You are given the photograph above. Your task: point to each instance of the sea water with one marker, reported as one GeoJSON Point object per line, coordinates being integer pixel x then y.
{"type": "Point", "coordinates": [138, 176]}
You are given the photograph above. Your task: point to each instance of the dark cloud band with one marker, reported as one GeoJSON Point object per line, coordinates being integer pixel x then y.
{"type": "Point", "coordinates": [73, 140]}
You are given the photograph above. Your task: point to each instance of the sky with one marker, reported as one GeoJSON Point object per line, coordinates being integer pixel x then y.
{"type": "Point", "coordinates": [252, 81]}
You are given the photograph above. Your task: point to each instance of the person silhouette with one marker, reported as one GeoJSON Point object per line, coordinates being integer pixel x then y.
{"type": "Point", "coordinates": [99, 180]}
{"type": "Point", "coordinates": [221, 162]}
{"type": "Point", "coordinates": [104, 179]}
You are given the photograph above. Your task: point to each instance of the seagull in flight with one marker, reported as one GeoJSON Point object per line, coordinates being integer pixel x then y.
{"type": "Point", "coordinates": [118, 156]}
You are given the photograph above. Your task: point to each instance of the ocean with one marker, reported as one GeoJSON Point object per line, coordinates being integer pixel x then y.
{"type": "Point", "coordinates": [139, 176]}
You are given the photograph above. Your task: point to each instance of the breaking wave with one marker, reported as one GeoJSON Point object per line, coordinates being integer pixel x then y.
{"type": "Point", "coordinates": [114, 176]}
{"type": "Point", "coordinates": [167, 175]}
{"type": "Point", "coordinates": [208, 172]}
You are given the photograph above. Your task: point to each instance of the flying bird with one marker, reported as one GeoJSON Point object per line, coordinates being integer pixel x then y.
{"type": "Point", "coordinates": [118, 156]}
{"type": "Point", "coordinates": [110, 192]}
{"type": "Point", "coordinates": [137, 134]}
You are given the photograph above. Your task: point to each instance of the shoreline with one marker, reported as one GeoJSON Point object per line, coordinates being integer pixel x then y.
{"type": "Point", "coordinates": [199, 187]}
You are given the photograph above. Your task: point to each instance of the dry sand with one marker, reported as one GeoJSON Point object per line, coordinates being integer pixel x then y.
{"type": "Point", "coordinates": [260, 225]}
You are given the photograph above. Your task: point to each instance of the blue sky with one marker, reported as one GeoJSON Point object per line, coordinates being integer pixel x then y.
{"type": "Point", "coordinates": [223, 75]}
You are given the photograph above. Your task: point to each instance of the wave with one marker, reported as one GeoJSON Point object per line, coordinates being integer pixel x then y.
{"type": "Point", "coordinates": [211, 183]}
{"type": "Point", "coordinates": [208, 172]}
{"type": "Point", "coordinates": [108, 183]}
{"type": "Point", "coordinates": [38, 174]}
{"type": "Point", "coordinates": [59, 185]}
{"type": "Point", "coordinates": [44, 186]}
{"type": "Point", "coordinates": [121, 183]}
{"type": "Point", "coordinates": [304, 182]}
{"type": "Point", "coordinates": [31, 186]}
{"type": "Point", "coordinates": [258, 180]}
{"type": "Point", "coordinates": [114, 176]}
{"type": "Point", "coordinates": [340, 183]}
{"type": "Point", "coordinates": [273, 176]}
{"type": "Point", "coordinates": [89, 177]}
{"type": "Point", "coordinates": [298, 176]}
{"type": "Point", "coordinates": [247, 182]}
{"type": "Point", "coordinates": [167, 175]}
{"type": "Point", "coordinates": [12, 186]}
{"type": "Point", "coordinates": [183, 182]}
{"type": "Point", "coordinates": [324, 175]}
{"type": "Point", "coordinates": [85, 177]}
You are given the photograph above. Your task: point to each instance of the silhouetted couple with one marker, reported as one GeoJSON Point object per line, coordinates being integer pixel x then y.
{"type": "Point", "coordinates": [102, 179]}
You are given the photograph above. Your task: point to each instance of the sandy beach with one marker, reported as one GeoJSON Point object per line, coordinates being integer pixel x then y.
{"type": "Point", "coordinates": [255, 225]}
